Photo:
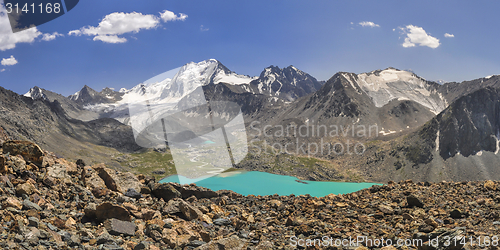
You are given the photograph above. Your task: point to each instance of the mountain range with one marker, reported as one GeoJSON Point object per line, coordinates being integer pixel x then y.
{"type": "Point", "coordinates": [424, 130]}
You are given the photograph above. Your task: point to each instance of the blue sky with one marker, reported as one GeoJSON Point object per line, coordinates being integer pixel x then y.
{"type": "Point", "coordinates": [318, 37]}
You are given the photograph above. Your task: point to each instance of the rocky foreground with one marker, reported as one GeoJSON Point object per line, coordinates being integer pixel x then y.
{"type": "Point", "coordinates": [50, 203]}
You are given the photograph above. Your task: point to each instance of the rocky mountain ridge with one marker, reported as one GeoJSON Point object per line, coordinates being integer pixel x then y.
{"type": "Point", "coordinates": [423, 129]}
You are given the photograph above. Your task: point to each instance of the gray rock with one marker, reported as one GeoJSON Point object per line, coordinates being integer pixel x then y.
{"type": "Point", "coordinates": [105, 238]}
{"type": "Point", "coordinates": [33, 222]}
{"type": "Point", "coordinates": [27, 205]}
{"type": "Point", "coordinates": [222, 222]}
{"type": "Point", "coordinates": [133, 193]}
{"type": "Point", "coordinates": [117, 227]}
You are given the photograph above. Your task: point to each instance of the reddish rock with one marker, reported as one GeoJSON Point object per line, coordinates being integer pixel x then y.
{"type": "Point", "coordinates": [108, 210]}
{"type": "Point", "coordinates": [28, 150]}
{"type": "Point", "coordinates": [12, 202]}
{"type": "Point", "coordinates": [118, 181]}
{"type": "Point", "coordinates": [26, 188]}
{"type": "Point", "coordinates": [189, 212]}
{"type": "Point", "coordinates": [91, 179]}
{"type": "Point", "coordinates": [490, 185]}
{"type": "Point", "coordinates": [165, 191]}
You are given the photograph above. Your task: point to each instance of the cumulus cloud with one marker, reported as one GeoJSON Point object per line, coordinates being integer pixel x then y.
{"type": "Point", "coordinates": [119, 23]}
{"type": "Point", "coordinates": [448, 35]}
{"type": "Point", "coordinates": [110, 39]}
{"type": "Point", "coordinates": [369, 24]}
{"type": "Point", "coordinates": [9, 61]}
{"type": "Point", "coordinates": [2, 70]}
{"type": "Point", "coordinates": [202, 28]}
{"type": "Point", "coordinates": [8, 40]}
{"type": "Point", "coordinates": [167, 16]}
{"type": "Point", "coordinates": [417, 36]}
{"type": "Point", "coordinates": [50, 37]}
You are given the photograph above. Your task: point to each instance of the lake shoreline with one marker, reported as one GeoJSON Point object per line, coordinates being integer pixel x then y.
{"type": "Point", "coordinates": [263, 183]}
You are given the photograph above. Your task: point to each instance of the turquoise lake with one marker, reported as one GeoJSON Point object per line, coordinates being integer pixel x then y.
{"type": "Point", "coordinates": [260, 183]}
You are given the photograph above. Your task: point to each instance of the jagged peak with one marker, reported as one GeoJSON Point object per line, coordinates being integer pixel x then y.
{"type": "Point", "coordinates": [36, 93]}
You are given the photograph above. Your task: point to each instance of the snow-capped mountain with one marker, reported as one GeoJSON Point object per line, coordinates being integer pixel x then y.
{"type": "Point", "coordinates": [288, 83]}
{"type": "Point", "coordinates": [36, 93]}
{"type": "Point", "coordinates": [382, 86]}
{"type": "Point", "coordinates": [186, 80]}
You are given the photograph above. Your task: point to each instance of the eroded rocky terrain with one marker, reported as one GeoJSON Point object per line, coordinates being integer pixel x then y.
{"type": "Point", "coordinates": [50, 203]}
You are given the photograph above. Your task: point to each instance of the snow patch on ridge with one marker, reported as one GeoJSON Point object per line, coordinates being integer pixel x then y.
{"type": "Point", "coordinates": [386, 85]}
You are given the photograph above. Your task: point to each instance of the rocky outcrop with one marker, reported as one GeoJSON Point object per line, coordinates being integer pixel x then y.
{"type": "Point", "coordinates": [65, 213]}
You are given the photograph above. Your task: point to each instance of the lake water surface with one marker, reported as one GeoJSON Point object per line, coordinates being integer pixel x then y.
{"type": "Point", "coordinates": [261, 183]}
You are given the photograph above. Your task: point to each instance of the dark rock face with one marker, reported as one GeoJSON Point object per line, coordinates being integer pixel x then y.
{"type": "Point", "coordinates": [288, 83]}
{"type": "Point", "coordinates": [88, 96]}
{"type": "Point", "coordinates": [333, 99]}
{"type": "Point", "coordinates": [470, 124]}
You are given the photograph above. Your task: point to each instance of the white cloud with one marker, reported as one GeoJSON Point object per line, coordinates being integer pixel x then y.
{"type": "Point", "coordinates": [110, 39]}
{"type": "Point", "coordinates": [9, 61]}
{"type": "Point", "coordinates": [202, 28]}
{"type": "Point", "coordinates": [369, 24]}
{"type": "Point", "coordinates": [448, 35]}
{"type": "Point", "coordinates": [2, 70]}
{"type": "Point", "coordinates": [50, 37]}
{"type": "Point", "coordinates": [417, 36]}
{"type": "Point", "coordinates": [8, 40]}
{"type": "Point", "coordinates": [119, 23]}
{"type": "Point", "coordinates": [167, 16]}
{"type": "Point", "coordinates": [75, 33]}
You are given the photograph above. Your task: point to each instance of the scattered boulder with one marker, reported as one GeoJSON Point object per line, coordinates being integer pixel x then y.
{"type": "Point", "coordinates": [117, 227]}
{"type": "Point", "coordinates": [490, 185]}
{"type": "Point", "coordinates": [91, 179]}
{"type": "Point", "coordinates": [386, 209]}
{"type": "Point", "coordinates": [12, 202]}
{"type": "Point", "coordinates": [413, 201]}
{"type": "Point", "coordinates": [165, 191]}
{"type": "Point", "coordinates": [189, 212]}
{"type": "Point", "coordinates": [58, 173]}
{"type": "Point", "coordinates": [117, 181]}
{"type": "Point", "coordinates": [108, 210]}
{"type": "Point", "coordinates": [28, 150]}
{"type": "Point", "coordinates": [133, 194]}
{"type": "Point", "coordinates": [193, 190]}
{"type": "Point", "coordinates": [232, 243]}
{"type": "Point", "coordinates": [26, 188]}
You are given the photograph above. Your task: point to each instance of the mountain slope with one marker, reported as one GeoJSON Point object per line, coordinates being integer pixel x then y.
{"type": "Point", "coordinates": [453, 90]}
{"type": "Point", "coordinates": [47, 124]}
{"type": "Point", "coordinates": [341, 101]}
{"type": "Point", "coordinates": [460, 143]}
{"type": "Point", "coordinates": [70, 107]}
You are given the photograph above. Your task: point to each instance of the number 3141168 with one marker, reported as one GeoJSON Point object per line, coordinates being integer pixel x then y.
{"type": "Point", "coordinates": [32, 8]}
